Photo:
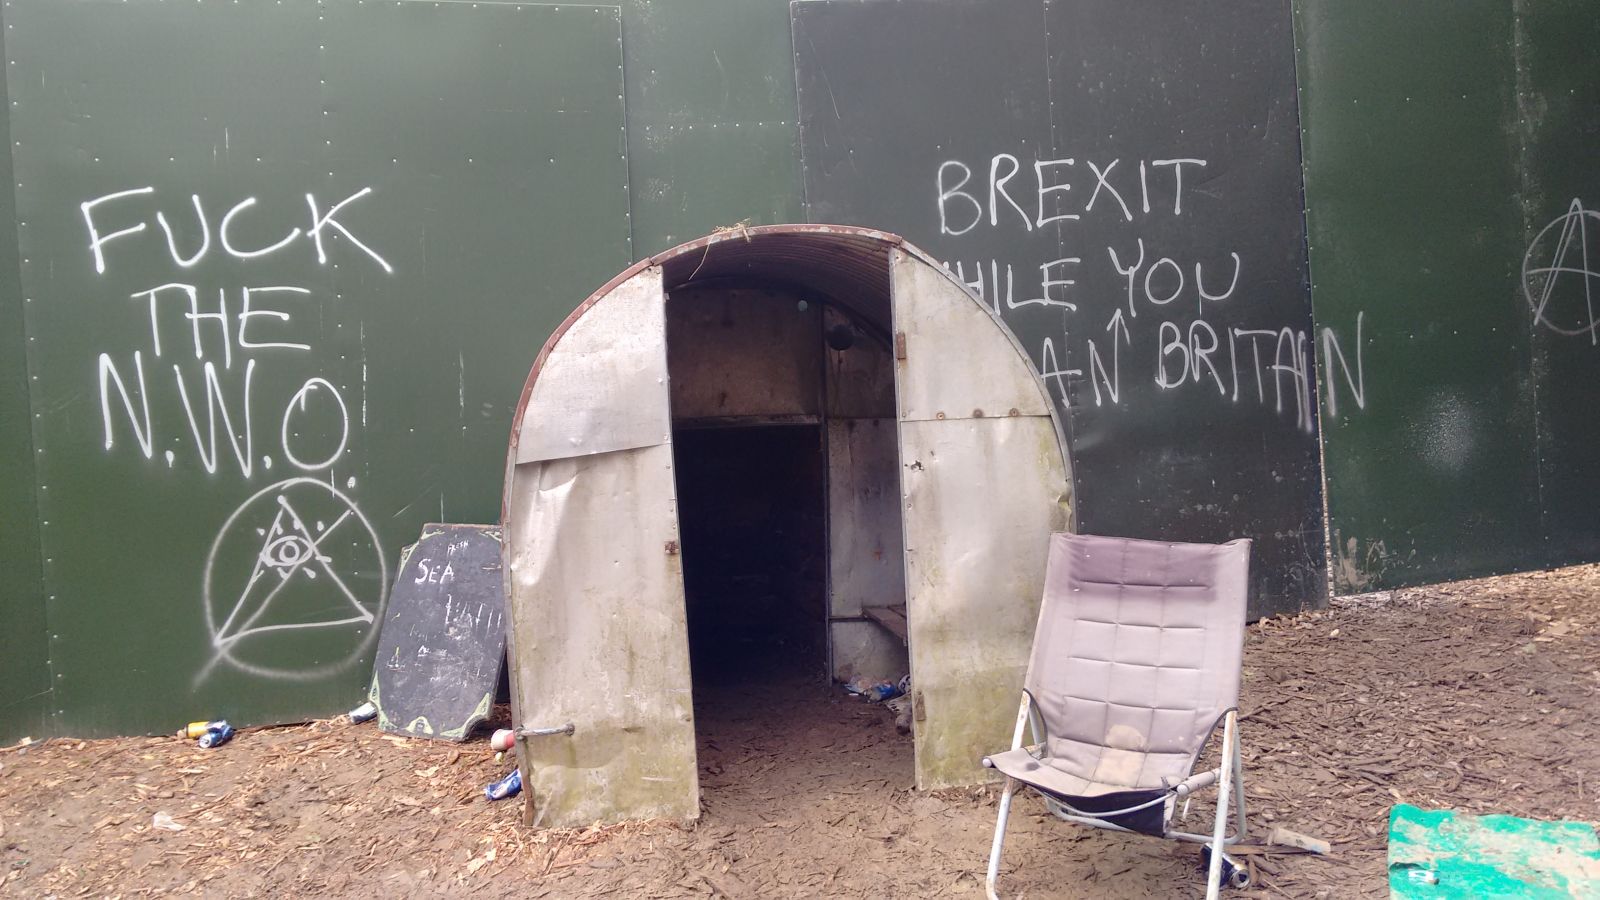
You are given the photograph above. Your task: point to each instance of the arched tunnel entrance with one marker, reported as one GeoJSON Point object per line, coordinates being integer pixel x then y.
{"type": "Point", "coordinates": [787, 506]}
{"type": "Point", "coordinates": [770, 383]}
{"type": "Point", "coordinates": [747, 465]}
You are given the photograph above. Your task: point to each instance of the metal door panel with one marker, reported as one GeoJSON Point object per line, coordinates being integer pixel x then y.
{"type": "Point", "coordinates": [598, 636]}
{"type": "Point", "coordinates": [939, 332]}
{"type": "Point", "coordinates": [984, 482]}
{"type": "Point", "coordinates": [603, 386]}
{"type": "Point", "coordinates": [982, 497]}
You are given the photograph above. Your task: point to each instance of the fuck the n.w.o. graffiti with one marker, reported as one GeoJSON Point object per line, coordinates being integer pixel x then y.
{"type": "Point", "coordinates": [294, 579]}
{"type": "Point", "coordinates": [205, 341]}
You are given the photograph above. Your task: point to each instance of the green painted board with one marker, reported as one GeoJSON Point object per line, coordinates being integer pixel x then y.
{"type": "Point", "coordinates": [1032, 151]}
{"type": "Point", "coordinates": [1445, 855]}
{"type": "Point", "coordinates": [414, 194]}
{"type": "Point", "coordinates": [1440, 137]}
{"type": "Point", "coordinates": [711, 117]}
{"type": "Point", "coordinates": [1558, 81]}
{"type": "Point", "coordinates": [24, 663]}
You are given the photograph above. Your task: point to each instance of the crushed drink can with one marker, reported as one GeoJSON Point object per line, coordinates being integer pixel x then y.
{"type": "Point", "coordinates": [218, 734]}
{"type": "Point", "coordinates": [509, 786]}
{"type": "Point", "coordinates": [196, 729]}
{"type": "Point", "coordinates": [366, 712]}
{"type": "Point", "coordinates": [879, 692]}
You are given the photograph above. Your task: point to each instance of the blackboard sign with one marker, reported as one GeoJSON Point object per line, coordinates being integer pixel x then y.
{"type": "Point", "coordinates": [1121, 183]}
{"type": "Point", "coordinates": [444, 634]}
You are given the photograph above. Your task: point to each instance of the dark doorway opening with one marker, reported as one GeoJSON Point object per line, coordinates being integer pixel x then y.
{"type": "Point", "coordinates": [752, 522]}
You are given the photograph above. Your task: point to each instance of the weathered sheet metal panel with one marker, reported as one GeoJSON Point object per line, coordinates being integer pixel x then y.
{"type": "Point", "coordinates": [743, 352]}
{"type": "Point", "coordinates": [859, 379]}
{"type": "Point", "coordinates": [600, 638]}
{"type": "Point", "coordinates": [985, 481]}
{"type": "Point", "coordinates": [25, 700]}
{"type": "Point", "coordinates": [861, 648]}
{"type": "Point", "coordinates": [710, 117]}
{"type": "Point", "coordinates": [170, 437]}
{"type": "Point", "coordinates": [1463, 441]}
{"type": "Point", "coordinates": [864, 531]}
{"type": "Point", "coordinates": [604, 385]}
{"type": "Point", "coordinates": [1044, 171]}
{"type": "Point", "coordinates": [956, 359]}
{"type": "Point", "coordinates": [982, 497]}
{"type": "Point", "coordinates": [1558, 81]}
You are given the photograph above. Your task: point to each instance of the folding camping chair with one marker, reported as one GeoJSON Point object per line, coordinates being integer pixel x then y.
{"type": "Point", "coordinates": [1136, 660]}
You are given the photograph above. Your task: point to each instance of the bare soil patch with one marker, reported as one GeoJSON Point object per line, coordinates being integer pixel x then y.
{"type": "Point", "coordinates": [1478, 696]}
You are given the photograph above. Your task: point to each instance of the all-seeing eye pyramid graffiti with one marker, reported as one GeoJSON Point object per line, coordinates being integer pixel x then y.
{"type": "Point", "coordinates": [297, 566]}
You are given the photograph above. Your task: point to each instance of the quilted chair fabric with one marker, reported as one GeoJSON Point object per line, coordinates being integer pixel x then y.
{"type": "Point", "coordinates": [1136, 658]}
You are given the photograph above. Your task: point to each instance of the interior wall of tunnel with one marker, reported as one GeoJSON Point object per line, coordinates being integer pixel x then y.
{"type": "Point", "coordinates": [808, 384]}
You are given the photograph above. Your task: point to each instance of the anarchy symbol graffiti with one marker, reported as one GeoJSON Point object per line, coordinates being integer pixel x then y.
{"type": "Point", "coordinates": [1560, 276]}
{"type": "Point", "coordinates": [295, 573]}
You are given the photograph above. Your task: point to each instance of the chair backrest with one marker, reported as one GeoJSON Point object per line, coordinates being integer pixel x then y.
{"type": "Point", "coordinates": [1137, 654]}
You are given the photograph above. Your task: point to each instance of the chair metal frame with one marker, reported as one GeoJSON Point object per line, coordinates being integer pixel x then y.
{"type": "Point", "coordinates": [1228, 776]}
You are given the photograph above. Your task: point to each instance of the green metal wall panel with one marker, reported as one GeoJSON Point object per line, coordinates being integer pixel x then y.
{"type": "Point", "coordinates": [479, 153]}
{"type": "Point", "coordinates": [1558, 111]}
{"type": "Point", "coordinates": [711, 117]}
{"type": "Point", "coordinates": [1441, 454]}
{"type": "Point", "coordinates": [1439, 137]}
{"type": "Point", "coordinates": [518, 155]}
{"type": "Point", "coordinates": [1190, 417]}
{"type": "Point", "coordinates": [24, 663]}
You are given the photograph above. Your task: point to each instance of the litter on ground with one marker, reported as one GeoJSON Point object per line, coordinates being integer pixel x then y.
{"type": "Point", "coordinates": [1475, 696]}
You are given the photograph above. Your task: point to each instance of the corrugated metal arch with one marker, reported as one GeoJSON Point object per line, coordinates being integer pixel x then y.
{"type": "Point", "coordinates": [845, 265]}
{"type": "Point", "coordinates": [591, 447]}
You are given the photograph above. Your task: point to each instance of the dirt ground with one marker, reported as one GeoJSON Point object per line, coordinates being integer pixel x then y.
{"type": "Point", "coordinates": [1478, 696]}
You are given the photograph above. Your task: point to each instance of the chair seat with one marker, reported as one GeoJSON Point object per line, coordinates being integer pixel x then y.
{"type": "Point", "coordinates": [1083, 794]}
{"type": "Point", "coordinates": [1040, 773]}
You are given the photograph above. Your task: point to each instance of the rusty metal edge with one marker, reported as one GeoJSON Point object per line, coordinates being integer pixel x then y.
{"type": "Point", "coordinates": [889, 240]}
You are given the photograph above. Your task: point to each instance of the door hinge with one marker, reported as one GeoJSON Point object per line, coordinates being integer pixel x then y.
{"type": "Point", "coordinates": [899, 345]}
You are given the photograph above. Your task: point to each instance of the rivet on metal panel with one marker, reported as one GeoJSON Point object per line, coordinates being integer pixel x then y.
{"type": "Point", "coordinates": [1013, 412]}
{"type": "Point", "coordinates": [977, 414]}
{"type": "Point", "coordinates": [938, 415]}
{"type": "Point", "coordinates": [899, 345]}
{"type": "Point", "coordinates": [672, 548]}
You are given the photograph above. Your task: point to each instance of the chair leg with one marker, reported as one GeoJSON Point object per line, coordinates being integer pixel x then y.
{"type": "Point", "coordinates": [999, 839]}
{"type": "Point", "coordinates": [1238, 787]}
{"type": "Point", "coordinates": [1230, 742]}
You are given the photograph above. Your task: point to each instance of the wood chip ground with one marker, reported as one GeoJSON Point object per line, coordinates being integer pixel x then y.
{"type": "Point", "coordinates": [1477, 696]}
